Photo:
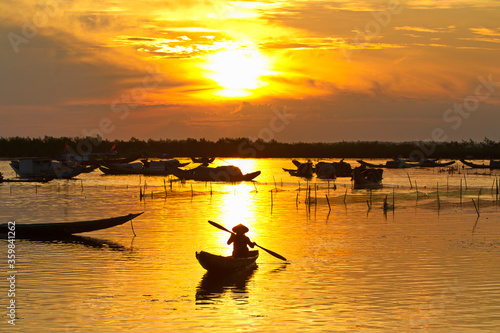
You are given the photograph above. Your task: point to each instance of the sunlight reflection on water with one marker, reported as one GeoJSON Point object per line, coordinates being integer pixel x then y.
{"type": "Point", "coordinates": [420, 266]}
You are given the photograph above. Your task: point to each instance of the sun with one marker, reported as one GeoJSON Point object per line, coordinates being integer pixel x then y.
{"type": "Point", "coordinates": [238, 72]}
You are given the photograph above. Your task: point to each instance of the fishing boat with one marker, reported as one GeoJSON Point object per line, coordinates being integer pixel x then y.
{"type": "Point", "coordinates": [61, 229]}
{"type": "Point", "coordinates": [395, 164]}
{"type": "Point", "coordinates": [44, 169]}
{"type": "Point", "coordinates": [95, 159]}
{"type": "Point", "coordinates": [326, 170]}
{"type": "Point", "coordinates": [220, 264]}
{"type": "Point", "coordinates": [203, 160]}
{"type": "Point", "coordinates": [225, 173]}
{"type": "Point", "coordinates": [303, 169]}
{"type": "Point", "coordinates": [426, 163]}
{"type": "Point", "coordinates": [365, 178]}
{"type": "Point", "coordinates": [493, 165]}
{"type": "Point", "coordinates": [144, 167]}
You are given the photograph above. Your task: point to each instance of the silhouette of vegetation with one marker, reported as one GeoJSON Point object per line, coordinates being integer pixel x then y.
{"type": "Point", "coordinates": [243, 147]}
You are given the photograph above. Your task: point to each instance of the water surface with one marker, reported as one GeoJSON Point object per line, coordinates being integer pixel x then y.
{"type": "Point", "coordinates": [427, 265]}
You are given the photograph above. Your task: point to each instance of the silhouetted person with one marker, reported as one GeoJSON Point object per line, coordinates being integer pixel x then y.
{"type": "Point", "coordinates": [240, 249]}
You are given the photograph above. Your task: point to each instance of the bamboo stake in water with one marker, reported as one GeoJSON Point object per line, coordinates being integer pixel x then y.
{"type": "Point", "coordinates": [477, 209]}
{"type": "Point", "coordinates": [345, 195]}
{"type": "Point", "coordinates": [315, 195]}
{"type": "Point", "coordinates": [272, 202]}
{"type": "Point", "coordinates": [437, 191]}
{"type": "Point", "coordinates": [328, 201]}
{"type": "Point", "coordinates": [460, 191]}
{"type": "Point", "coordinates": [478, 195]}
{"type": "Point", "coordinates": [411, 185]}
{"type": "Point", "coordinates": [465, 180]}
{"type": "Point", "coordinates": [393, 206]}
{"type": "Point", "coordinates": [297, 201]}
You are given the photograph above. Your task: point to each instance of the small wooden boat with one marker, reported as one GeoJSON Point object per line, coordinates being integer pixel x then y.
{"type": "Point", "coordinates": [365, 178]}
{"type": "Point", "coordinates": [45, 169]}
{"type": "Point", "coordinates": [225, 173]}
{"type": "Point", "coordinates": [395, 164]}
{"type": "Point", "coordinates": [220, 264]}
{"type": "Point", "coordinates": [325, 170]}
{"type": "Point", "coordinates": [493, 165]}
{"type": "Point", "coordinates": [145, 167]}
{"type": "Point", "coordinates": [303, 169]}
{"type": "Point", "coordinates": [62, 229]}
{"type": "Point", "coordinates": [95, 159]}
{"type": "Point", "coordinates": [203, 160]}
{"type": "Point", "coordinates": [431, 164]}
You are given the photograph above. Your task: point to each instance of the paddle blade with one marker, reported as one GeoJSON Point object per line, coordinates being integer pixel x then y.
{"type": "Point", "coordinates": [274, 254]}
{"type": "Point", "coordinates": [217, 225]}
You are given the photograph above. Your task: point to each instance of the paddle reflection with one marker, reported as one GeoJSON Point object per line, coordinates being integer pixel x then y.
{"type": "Point", "coordinates": [213, 286]}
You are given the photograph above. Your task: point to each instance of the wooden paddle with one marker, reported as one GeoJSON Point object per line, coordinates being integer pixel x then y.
{"type": "Point", "coordinates": [268, 251]}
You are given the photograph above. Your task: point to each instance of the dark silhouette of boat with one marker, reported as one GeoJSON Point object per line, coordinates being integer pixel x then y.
{"type": "Point", "coordinates": [326, 170]}
{"type": "Point", "coordinates": [44, 169]}
{"type": "Point", "coordinates": [144, 167]}
{"type": "Point", "coordinates": [203, 160]}
{"type": "Point", "coordinates": [61, 229]}
{"type": "Point", "coordinates": [426, 163]}
{"type": "Point", "coordinates": [225, 173]}
{"type": "Point", "coordinates": [395, 164]}
{"type": "Point", "coordinates": [367, 178]}
{"type": "Point", "coordinates": [493, 165]}
{"type": "Point", "coordinates": [303, 169]}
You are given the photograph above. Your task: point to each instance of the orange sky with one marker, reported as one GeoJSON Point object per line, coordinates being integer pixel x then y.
{"type": "Point", "coordinates": [284, 70]}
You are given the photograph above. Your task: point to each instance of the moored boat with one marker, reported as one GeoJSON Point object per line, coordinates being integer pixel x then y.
{"type": "Point", "coordinates": [45, 169]}
{"type": "Point", "coordinates": [203, 160]}
{"type": "Point", "coordinates": [426, 163]}
{"type": "Point", "coordinates": [225, 173]}
{"type": "Point", "coordinates": [61, 229]}
{"type": "Point", "coordinates": [493, 165]}
{"type": "Point", "coordinates": [326, 170]}
{"type": "Point", "coordinates": [220, 264]}
{"type": "Point", "coordinates": [395, 164]}
{"type": "Point", "coordinates": [303, 169]}
{"type": "Point", "coordinates": [365, 178]}
{"type": "Point", "coordinates": [144, 167]}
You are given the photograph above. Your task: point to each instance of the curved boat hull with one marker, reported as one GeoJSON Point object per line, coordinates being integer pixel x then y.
{"type": "Point", "coordinates": [55, 230]}
{"type": "Point", "coordinates": [220, 264]}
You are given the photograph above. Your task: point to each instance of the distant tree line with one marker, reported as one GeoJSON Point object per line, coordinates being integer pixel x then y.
{"type": "Point", "coordinates": [244, 147]}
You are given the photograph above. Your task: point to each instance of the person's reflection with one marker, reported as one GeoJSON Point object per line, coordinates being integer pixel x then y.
{"type": "Point", "coordinates": [213, 286]}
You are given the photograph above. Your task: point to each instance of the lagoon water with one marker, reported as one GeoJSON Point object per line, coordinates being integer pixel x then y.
{"type": "Point", "coordinates": [429, 265]}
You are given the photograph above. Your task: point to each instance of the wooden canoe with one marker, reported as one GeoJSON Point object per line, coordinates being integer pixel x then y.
{"type": "Point", "coordinates": [396, 164]}
{"type": "Point", "coordinates": [62, 229]}
{"type": "Point", "coordinates": [225, 173]}
{"type": "Point", "coordinates": [220, 264]}
{"type": "Point", "coordinates": [493, 165]}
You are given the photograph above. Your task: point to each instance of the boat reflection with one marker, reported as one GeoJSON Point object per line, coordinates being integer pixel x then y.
{"type": "Point", "coordinates": [213, 286]}
{"type": "Point", "coordinates": [82, 240]}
